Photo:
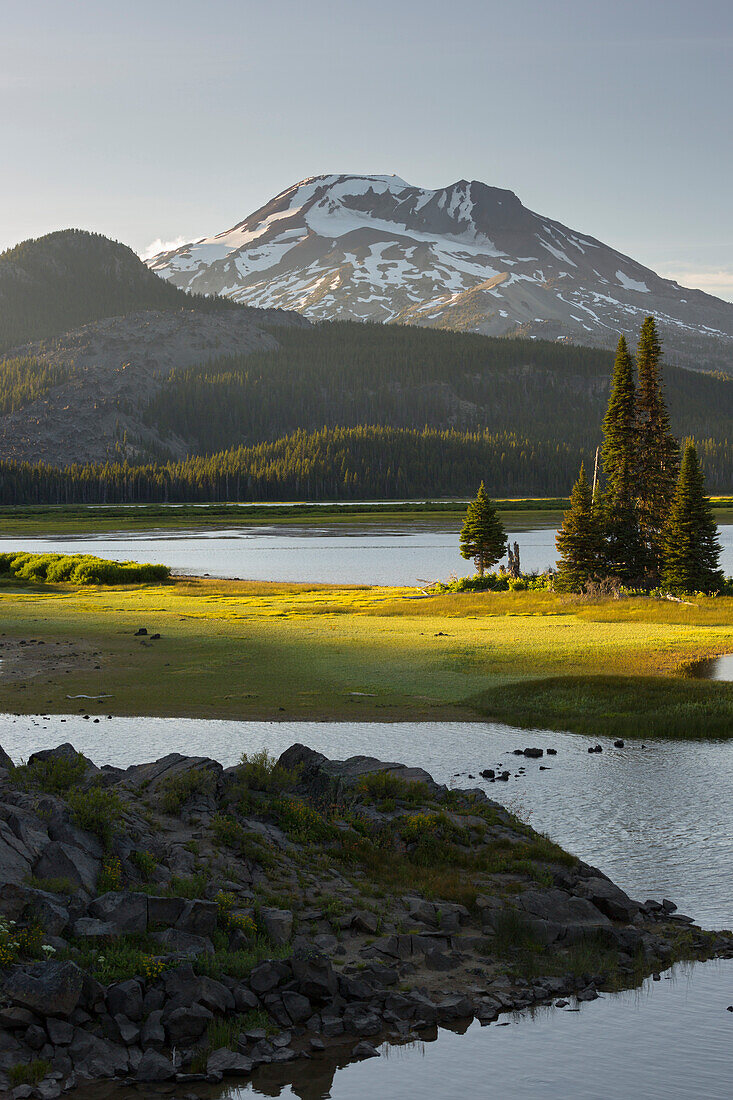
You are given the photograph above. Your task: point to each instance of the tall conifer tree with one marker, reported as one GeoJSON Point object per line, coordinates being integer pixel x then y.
{"type": "Point", "coordinates": [483, 537]}
{"type": "Point", "coordinates": [656, 462]}
{"type": "Point", "coordinates": [623, 556]}
{"type": "Point", "coordinates": [691, 550]}
{"type": "Point", "coordinates": [579, 540]}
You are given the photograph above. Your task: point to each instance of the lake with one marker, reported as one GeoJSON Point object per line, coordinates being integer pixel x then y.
{"type": "Point", "coordinates": [337, 553]}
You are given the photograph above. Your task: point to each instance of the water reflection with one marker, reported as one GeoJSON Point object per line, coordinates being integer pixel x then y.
{"type": "Point", "coordinates": [668, 1040]}
{"type": "Point", "coordinates": [337, 553]}
{"type": "Point", "coordinates": [714, 668]}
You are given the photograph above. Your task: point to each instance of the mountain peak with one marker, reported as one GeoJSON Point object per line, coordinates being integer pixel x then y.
{"type": "Point", "coordinates": [466, 256]}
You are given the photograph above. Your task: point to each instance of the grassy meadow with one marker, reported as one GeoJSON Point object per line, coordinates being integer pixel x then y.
{"type": "Point", "coordinates": [290, 651]}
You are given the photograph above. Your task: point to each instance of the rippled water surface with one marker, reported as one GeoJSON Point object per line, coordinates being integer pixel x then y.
{"type": "Point", "coordinates": [334, 553]}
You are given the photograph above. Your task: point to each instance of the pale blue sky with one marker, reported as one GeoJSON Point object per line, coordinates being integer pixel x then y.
{"type": "Point", "coordinates": [172, 118]}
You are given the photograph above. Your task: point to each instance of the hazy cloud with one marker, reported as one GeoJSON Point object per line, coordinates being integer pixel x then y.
{"type": "Point", "coordinates": [718, 281]}
{"type": "Point", "coordinates": [161, 246]}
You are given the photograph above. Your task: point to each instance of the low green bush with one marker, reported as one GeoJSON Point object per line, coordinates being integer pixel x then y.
{"type": "Point", "coordinates": [259, 771]}
{"type": "Point", "coordinates": [82, 569]}
{"type": "Point", "coordinates": [56, 775]}
{"type": "Point", "coordinates": [97, 810]}
{"type": "Point", "coordinates": [178, 790]}
{"type": "Point", "coordinates": [495, 582]}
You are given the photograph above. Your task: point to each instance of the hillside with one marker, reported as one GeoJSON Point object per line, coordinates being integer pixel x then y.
{"type": "Point", "coordinates": [467, 257]}
{"type": "Point", "coordinates": [322, 412]}
{"type": "Point", "coordinates": [65, 279]}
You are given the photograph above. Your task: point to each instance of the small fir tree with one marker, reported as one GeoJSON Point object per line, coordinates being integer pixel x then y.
{"type": "Point", "coordinates": [579, 540]}
{"type": "Point", "coordinates": [483, 537]}
{"type": "Point", "coordinates": [656, 460]}
{"type": "Point", "coordinates": [691, 550]}
{"type": "Point", "coordinates": [623, 555]}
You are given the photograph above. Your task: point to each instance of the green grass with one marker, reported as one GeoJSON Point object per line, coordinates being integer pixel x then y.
{"type": "Point", "coordinates": [234, 649]}
{"type": "Point", "coordinates": [29, 1073]}
{"type": "Point", "coordinates": [615, 706]}
{"type": "Point", "coordinates": [52, 519]}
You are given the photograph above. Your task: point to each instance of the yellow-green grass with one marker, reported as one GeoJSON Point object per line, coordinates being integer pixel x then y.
{"type": "Point", "coordinates": [254, 650]}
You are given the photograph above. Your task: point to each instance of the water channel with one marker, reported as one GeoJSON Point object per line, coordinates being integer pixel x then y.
{"type": "Point", "coordinates": [336, 553]}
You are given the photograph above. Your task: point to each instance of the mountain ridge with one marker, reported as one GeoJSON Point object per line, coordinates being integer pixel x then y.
{"type": "Point", "coordinates": [469, 256]}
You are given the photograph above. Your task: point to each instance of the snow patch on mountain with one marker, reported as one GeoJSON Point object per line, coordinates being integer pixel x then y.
{"type": "Point", "coordinates": [468, 256]}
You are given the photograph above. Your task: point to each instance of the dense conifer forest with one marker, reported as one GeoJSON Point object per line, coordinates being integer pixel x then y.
{"type": "Point", "coordinates": [331, 464]}
{"type": "Point", "coordinates": [346, 375]}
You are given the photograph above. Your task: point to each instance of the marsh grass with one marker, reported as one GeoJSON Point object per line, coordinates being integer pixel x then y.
{"type": "Point", "coordinates": [615, 706]}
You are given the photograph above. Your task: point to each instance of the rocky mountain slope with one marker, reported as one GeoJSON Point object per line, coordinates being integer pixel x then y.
{"type": "Point", "coordinates": [468, 257]}
{"type": "Point", "coordinates": [176, 921]}
{"type": "Point", "coordinates": [109, 369]}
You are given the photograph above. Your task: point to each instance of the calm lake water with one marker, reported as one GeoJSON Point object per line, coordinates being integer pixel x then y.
{"type": "Point", "coordinates": [330, 553]}
{"type": "Point", "coordinates": [656, 818]}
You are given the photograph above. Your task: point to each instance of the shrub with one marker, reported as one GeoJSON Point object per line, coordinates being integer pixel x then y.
{"type": "Point", "coordinates": [59, 885]}
{"type": "Point", "coordinates": [97, 810]}
{"type": "Point", "coordinates": [145, 862]}
{"type": "Point", "coordinates": [231, 921]}
{"type": "Point", "coordinates": [177, 790]}
{"type": "Point", "coordinates": [248, 845]}
{"type": "Point", "coordinates": [79, 569]}
{"type": "Point", "coordinates": [110, 876]}
{"type": "Point", "coordinates": [238, 964]}
{"type": "Point", "coordinates": [261, 772]}
{"type": "Point", "coordinates": [300, 822]}
{"type": "Point", "coordinates": [55, 775]}
{"type": "Point", "coordinates": [379, 786]}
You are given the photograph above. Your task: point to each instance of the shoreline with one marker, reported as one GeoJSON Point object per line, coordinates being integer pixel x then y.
{"type": "Point", "coordinates": [284, 929]}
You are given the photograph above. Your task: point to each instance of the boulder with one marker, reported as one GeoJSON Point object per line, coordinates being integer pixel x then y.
{"type": "Point", "coordinates": [315, 976]}
{"type": "Point", "coordinates": [278, 925]}
{"type": "Point", "coordinates": [125, 911]}
{"type": "Point", "coordinates": [176, 942]}
{"type": "Point", "coordinates": [609, 898]}
{"type": "Point", "coordinates": [298, 1007]}
{"type": "Point", "coordinates": [89, 928]}
{"type": "Point", "coordinates": [59, 860]}
{"type": "Point", "coordinates": [185, 1025]}
{"type": "Point", "coordinates": [228, 1063]}
{"type": "Point", "coordinates": [155, 1067]}
{"type": "Point", "coordinates": [60, 1032]}
{"type": "Point", "coordinates": [264, 977]}
{"type": "Point", "coordinates": [16, 859]}
{"type": "Point", "coordinates": [152, 1032]}
{"type": "Point", "coordinates": [5, 761]}
{"type": "Point", "coordinates": [94, 1057]}
{"type": "Point", "coordinates": [165, 911]}
{"type": "Point", "coordinates": [48, 988]}
{"type": "Point", "coordinates": [198, 917]}
{"type": "Point", "coordinates": [125, 998]}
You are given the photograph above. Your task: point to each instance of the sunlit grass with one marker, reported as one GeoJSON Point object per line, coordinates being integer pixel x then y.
{"type": "Point", "coordinates": [252, 649]}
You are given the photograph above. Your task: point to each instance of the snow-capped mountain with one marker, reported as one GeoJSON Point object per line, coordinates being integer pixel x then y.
{"type": "Point", "coordinates": [468, 257]}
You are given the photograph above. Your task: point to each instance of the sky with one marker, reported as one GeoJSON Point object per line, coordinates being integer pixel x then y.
{"type": "Point", "coordinates": [169, 120]}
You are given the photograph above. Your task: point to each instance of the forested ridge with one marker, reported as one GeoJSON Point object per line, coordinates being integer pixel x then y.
{"type": "Point", "coordinates": [341, 374]}
{"type": "Point", "coordinates": [55, 283]}
{"type": "Point", "coordinates": [330, 464]}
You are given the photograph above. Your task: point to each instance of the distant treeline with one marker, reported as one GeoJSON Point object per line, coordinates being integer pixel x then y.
{"type": "Point", "coordinates": [342, 374]}
{"type": "Point", "coordinates": [359, 463]}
